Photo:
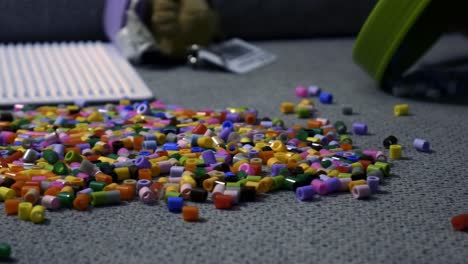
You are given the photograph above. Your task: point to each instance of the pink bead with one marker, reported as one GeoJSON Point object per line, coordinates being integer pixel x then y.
{"type": "Point", "coordinates": [319, 186]}
{"type": "Point", "coordinates": [301, 91]}
{"type": "Point", "coordinates": [345, 184]}
{"type": "Point", "coordinates": [361, 191]}
{"type": "Point", "coordinates": [185, 190]}
{"type": "Point", "coordinates": [146, 195]}
{"type": "Point", "coordinates": [50, 202]}
{"type": "Point", "coordinates": [39, 178]}
{"type": "Point", "coordinates": [316, 165]}
{"type": "Point", "coordinates": [247, 169]}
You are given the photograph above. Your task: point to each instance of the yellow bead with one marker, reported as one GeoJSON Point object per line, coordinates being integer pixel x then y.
{"type": "Point", "coordinates": [37, 214]}
{"type": "Point", "coordinates": [67, 189]}
{"type": "Point", "coordinates": [205, 142]}
{"type": "Point", "coordinates": [265, 184]}
{"type": "Point", "coordinates": [110, 187]}
{"type": "Point", "coordinates": [123, 173]}
{"type": "Point", "coordinates": [6, 193]}
{"type": "Point", "coordinates": [163, 180]}
{"type": "Point", "coordinates": [287, 107]}
{"type": "Point", "coordinates": [278, 146]}
{"type": "Point", "coordinates": [95, 117]}
{"type": "Point", "coordinates": [24, 210]}
{"type": "Point", "coordinates": [160, 137]}
{"type": "Point", "coordinates": [395, 152]}
{"type": "Point", "coordinates": [401, 110]}
{"type": "Point", "coordinates": [188, 179]}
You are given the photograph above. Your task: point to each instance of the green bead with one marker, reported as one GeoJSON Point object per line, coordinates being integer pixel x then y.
{"type": "Point", "coordinates": [75, 172]}
{"type": "Point", "coordinates": [66, 199]}
{"type": "Point", "coordinates": [93, 141]}
{"type": "Point", "coordinates": [340, 127]}
{"type": "Point", "coordinates": [277, 122]}
{"type": "Point", "coordinates": [345, 139]}
{"type": "Point", "coordinates": [241, 174]}
{"type": "Point", "coordinates": [316, 131]}
{"type": "Point", "coordinates": [303, 112]}
{"type": "Point", "coordinates": [200, 171]}
{"type": "Point", "coordinates": [242, 182]}
{"type": "Point", "coordinates": [176, 156]}
{"type": "Point", "coordinates": [113, 156]}
{"type": "Point", "coordinates": [384, 166]}
{"type": "Point", "coordinates": [171, 194]}
{"type": "Point", "coordinates": [182, 160]}
{"type": "Point", "coordinates": [284, 172]}
{"type": "Point", "coordinates": [325, 163]}
{"type": "Point", "coordinates": [97, 186]}
{"type": "Point", "coordinates": [288, 183]}
{"type": "Point", "coordinates": [72, 156]}
{"type": "Point", "coordinates": [5, 250]}
{"type": "Point", "coordinates": [105, 198]}
{"type": "Point", "coordinates": [233, 185]}
{"type": "Point", "coordinates": [254, 178]}
{"type": "Point", "coordinates": [50, 156]}
{"type": "Point", "coordinates": [302, 134]}
{"type": "Point", "coordinates": [344, 175]}
{"type": "Point", "coordinates": [60, 168]}
{"type": "Point", "coordinates": [278, 182]}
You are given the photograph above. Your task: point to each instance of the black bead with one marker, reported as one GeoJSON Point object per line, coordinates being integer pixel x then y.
{"type": "Point", "coordinates": [390, 140]}
{"type": "Point", "coordinates": [198, 195]}
{"type": "Point", "coordinates": [6, 116]}
{"type": "Point", "coordinates": [133, 169]}
{"type": "Point", "coordinates": [7, 182]}
{"type": "Point", "coordinates": [116, 145]}
{"type": "Point", "coordinates": [247, 194]}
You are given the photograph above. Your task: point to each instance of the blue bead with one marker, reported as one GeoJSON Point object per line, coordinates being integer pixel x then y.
{"type": "Point", "coordinates": [175, 204]}
{"type": "Point", "coordinates": [227, 124]}
{"type": "Point", "coordinates": [353, 158]}
{"type": "Point", "coordinates": [171, 146]}
{"type": "Point", "coordinates": [197, 149]}
{"type": "Point", "coordinates": [326, 98]}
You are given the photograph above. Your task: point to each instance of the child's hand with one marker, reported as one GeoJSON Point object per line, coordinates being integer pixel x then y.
{"type": "Point", "coordinates": [177, 24]}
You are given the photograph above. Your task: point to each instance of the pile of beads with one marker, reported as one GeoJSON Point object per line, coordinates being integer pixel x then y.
{"type": "Point", "coordinates": [81, 157]}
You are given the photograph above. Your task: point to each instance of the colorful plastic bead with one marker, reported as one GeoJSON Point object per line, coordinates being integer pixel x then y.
{"type": "Point", "coordinates": [359, 128]}
{"type": "Point", "coordinates": [460, 222]}
{"type": "Point", "coordinates": [421, 145]}
{"type": "Point", "coordinates": [395, 152]}
{"type": "Point", "coordinates": [326, 98]}
{"type": "Point", "coordinates": [190, 213]}
{"type": "Point", "coordinates": [24, 210]}
{"type": "Point", "coordinates": [390, 140]}
{"type": "Point", "coordinates": [401, 110]}
{"type": "Point", "coordinates": [305, 193]}
{"type": "Point", "coordinates": [175, 204]}
{"type": "Point", "coordinates": [5, 250]}
{"type": "Point", "coordinates": [361, 191]}
{"type": "Point", "coordinates": [50, 202]}
{"type": "Point", "coordinates": [11, 206]}
{"type": "Point", "coordinates": [37, 214]}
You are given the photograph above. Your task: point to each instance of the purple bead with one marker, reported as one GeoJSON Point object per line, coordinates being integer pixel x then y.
{"type": "Point", "coordinates": [143, 183]}
{"type": "Point", "coordinates": [85, 191]}
{"type": "Point", "coordinates": [176, 171]}
{"type": "Point", "coordinates": [360, 128]}
{"type": "Point", "coordinates": [275, 169]}
{"type": "Point", "coordinates": [209, 157]}
{"type": "Point", "coordinates": [361, 191]}
{"type": "Point", "coordinates": [313, 90]}
{"type": "Point", "coordinates": [164, 166]}
{"type": "Point", "coordinates": [305, 193]}
{"type": "Point", "coordinates": [421, 145]}
{"type": "Point", "coordinates": [233, 117]}
{"type": "Point", "coordinates": [373, 182]}
{"type": "Point", "coordinates": [225, 133]}
{"type": "Point", "coordinates": [142, 163]}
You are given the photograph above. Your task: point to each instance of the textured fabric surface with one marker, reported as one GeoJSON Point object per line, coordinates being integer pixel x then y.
{"type": "Point", "coordinates": [408, 222]}
{"type": "Point", "coordinates": [51, 20]}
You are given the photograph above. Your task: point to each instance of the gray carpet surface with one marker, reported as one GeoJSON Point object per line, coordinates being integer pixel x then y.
{"type": "Point", "coordinates": [408, 222]}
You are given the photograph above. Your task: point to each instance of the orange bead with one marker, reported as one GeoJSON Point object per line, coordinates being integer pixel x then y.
{"type": "Point", "coordinates": [17, 187]}
{"type": "Point", "coordinates": [127, 192]}
{"type": "Point", "coordinates": [102, 177]}
{"type": "Point", "coordinates": [346, 146]}
{"type": "Point", "coordinates": [26, 188]}
{"type": "Point", "coordinates": [266, 155]}
{"type": "Point", "coordinates": [144, 174]}
{"type": "Point", "coordinates": [11, 206]}
{"type": "Point", "coordinates": [190, 213]}
{"type": "Point", "coordinates": [81, 202]}
{"type": "Point", "coordinates": [53, 191]}
{"type": "Point", "coordinates": [74, 149]}
{"type": "Point", "coordinates": [15, 156]}
{"type": "Point", "coordinates": [314, 124]}
{"type": "Point", "coordinates": [137, 142]}
{"type": "Point", "coordinates": [250, 119]}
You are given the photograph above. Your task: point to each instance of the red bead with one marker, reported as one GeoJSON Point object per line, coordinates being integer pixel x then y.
{"type": "Point", "coordinates": [223, 201]}
{"type": "Point", "coordinates": [460, 222]}
{"type": "Point", "coordinates": [200, 129]}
